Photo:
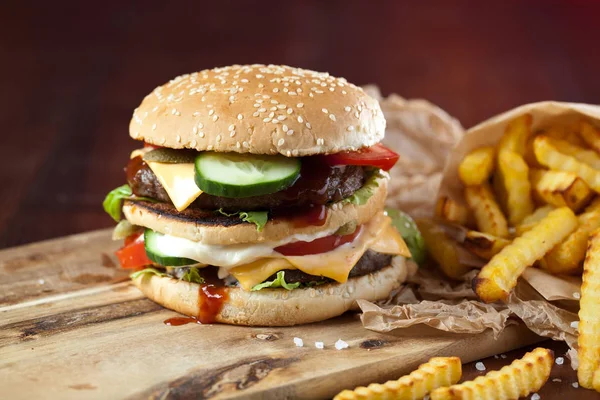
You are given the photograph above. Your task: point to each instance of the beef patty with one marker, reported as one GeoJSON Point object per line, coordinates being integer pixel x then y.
{"type": "Point", "coordinates": [370, 262]}
{"type": "Point", "coordinates": [318, 184]}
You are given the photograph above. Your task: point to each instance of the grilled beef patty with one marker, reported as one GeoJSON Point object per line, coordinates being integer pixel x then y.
{"type": "Point", "coordinates": [318, 184]}
{"type": "Point", "coordinates": [369, 263]}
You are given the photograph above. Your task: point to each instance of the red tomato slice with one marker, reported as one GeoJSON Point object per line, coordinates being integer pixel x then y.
{"type": "Point", "coordinates": [133, 254]}
{"type": "Point", "coordinates": [377, 156]}
{"type": "Point", "coordinates": [317, 246]}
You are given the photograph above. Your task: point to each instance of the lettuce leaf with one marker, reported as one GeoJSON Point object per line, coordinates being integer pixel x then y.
{"type": "Point", "coordinates": [277, 283]}
{"type": "Point", "coordinates": [259, 218]}
{"type": "Point", "coordinates": [114, 201]}
{"type": "Point", "coordinates": [152, 271]}
{"type": "Point", "coordinates": [410, 233]}
{"type": "Point", "coordinates": [192, 274]}
{"type": "Point", "coordinates": [362, 195]}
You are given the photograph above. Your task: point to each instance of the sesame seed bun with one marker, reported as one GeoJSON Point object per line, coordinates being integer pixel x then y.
{"type": "Point", "coordinates": [261, 110]}
{"type": "Point", "coordinates": [277, 307]}
{"type": "Point", "coordinates": [153, 216]}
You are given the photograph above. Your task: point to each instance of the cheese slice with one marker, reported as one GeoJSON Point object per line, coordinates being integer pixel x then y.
{"type": "Point", "coordinates": [379, 235]}
{"type": "Point", "coordinates": [178, 181]}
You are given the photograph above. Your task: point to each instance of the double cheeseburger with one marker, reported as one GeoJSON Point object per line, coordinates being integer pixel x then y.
{"type": "Point", "coordinates": [258, 197]}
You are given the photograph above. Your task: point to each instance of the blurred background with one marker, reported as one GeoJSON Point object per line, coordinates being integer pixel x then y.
{"type": "Point", "coordinates": [71, 75]}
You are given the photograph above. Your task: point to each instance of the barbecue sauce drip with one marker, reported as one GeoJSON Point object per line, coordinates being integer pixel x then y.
{"type": "Point", "coordinates": [178, 321]}
{"type": "Point", "coordinates": [314, 215]}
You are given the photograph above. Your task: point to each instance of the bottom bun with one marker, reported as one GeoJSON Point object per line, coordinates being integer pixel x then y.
{"type": "Point", "coordinates": [277, 307]}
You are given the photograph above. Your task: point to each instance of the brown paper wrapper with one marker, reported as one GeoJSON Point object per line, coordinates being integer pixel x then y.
{"type": "Point", "coordinates": [547, 304]}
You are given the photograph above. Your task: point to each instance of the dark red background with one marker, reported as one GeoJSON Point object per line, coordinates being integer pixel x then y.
{"type": "Point", "coordinates": [71, 74]}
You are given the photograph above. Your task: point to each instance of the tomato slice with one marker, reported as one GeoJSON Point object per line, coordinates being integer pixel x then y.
{"type": "Point", "coordinates": [133, 254]}
{"type": "Point", "coordinates": [317, 246]}
{"type": "Point", "coordinates": [376, 156]}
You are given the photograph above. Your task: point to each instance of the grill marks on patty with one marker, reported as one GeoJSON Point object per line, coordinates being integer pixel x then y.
{"type": "Point", "coordinates": [318, 184]}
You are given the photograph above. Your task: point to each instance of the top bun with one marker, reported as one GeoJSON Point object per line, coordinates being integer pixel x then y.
{"type": "Point", "coordinates": [261, 110]}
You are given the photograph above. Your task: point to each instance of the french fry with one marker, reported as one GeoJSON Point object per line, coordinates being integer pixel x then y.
{"type": "Point", "coordinates": [590, 134]}
{"type": "Point", "coordinates": [589, 317]}
{"type": "Point", "coordinates": [499, 276]}
{"type": "Point", "coordinates": [484, 245]}
{"type": "Point", "coordinates": [486, 210]}
{"type": "Point", "coordinates": [549, 156]}
{"type": "Point", "coordinates": [477, 166]}
{"type": "Point", "coordinates": [582, 154]}
{"type": "Point", "coordinates": [515, 176]}
{"type": "Point", "coordinates": [568, 134]}
{"type": "Point", "coordinates": [560, 189]}
{"type": "Point", "coordinates": [516, 134]}
{"type": "Point", "coordinates": [442, 249]}
{"type": "Point", "coordinates": [597, 380]}
{"type": "Point", "coordinates": [451, 211]}
{"type": "Point", "coordinates": [513, 381]}
{"type": "Point", "coordinates": [437, 372]}
{"type": "Point", "coordinates": [532, 219]}
{"type": "Point", "coordinates": [566, 258]}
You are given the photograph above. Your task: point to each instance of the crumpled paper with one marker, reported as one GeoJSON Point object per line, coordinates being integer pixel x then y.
{"type": "Point", "coordinates": [431, 144]}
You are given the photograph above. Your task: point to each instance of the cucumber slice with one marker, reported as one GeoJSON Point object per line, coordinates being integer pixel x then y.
{"type": "Point", "coordinates": [159, 257]}
{"type": "Point", "coordinates": [244, 175]}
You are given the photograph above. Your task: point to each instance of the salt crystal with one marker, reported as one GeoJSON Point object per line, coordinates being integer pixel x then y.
{"type": "Point", "coordinates": [503, 355]}
{"type": "Point", "coordinates": [319, 345]}
{"type": "Point", "coordinates": [298, 342]}
{"type": "Point", "coordinates": [41, 281]}
{"type": "Point", "coordinates": [556, 380]}
{"type": "Point", "coordinates": [479, 366]}
{"type": "Point", "coordinates": [560, 360]}
{"type": "Point", "coordinates": [575, 324]}
{"type": "Point", "coordinates": [577, 295]}
{"type": "Point", "coordinates": [535, 396]}
{"type": "Point", "coordinates": [340, 344]}
{"type": "Point", "coordinates": [496, 356]}
{"type": "Point", "coordinates": [575, 385]}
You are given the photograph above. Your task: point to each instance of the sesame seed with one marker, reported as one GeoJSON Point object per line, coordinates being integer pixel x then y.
{"type": "Point", "coordinates": [284, 128]}
{"type": "Point", "coordinates": [300, 105]}
{"type": "Point", "coordinates": [256, 114]}
{"type": "Point", "coordinates": [262, 109]}
{"type": "Point", "coordinates": [260, 85]}
{"type": "Point", "coordinates": [267, 120]}
{"type": "Point", "coordinates": [350, 128]}
{"type": "Point", "coordinates": [343, 92]}
{"type": "Point", "coordinates": [163, 140]}
{"type": "Point", "coordinates": [211, 112]}
{"type": "Point", "coordinates": [232, 134]}
{"type": "Point", "coordinates": [195, 114]}
{"type": "Point", "coordinates": [245, 144]}
{"type": "Point", "coordinates": [275, 90]}
{"type": "Point", "coordinates": [300, 119]}
{"type": "Point", "coordinates": [295, 152]}
{"type": "Point", "coordinates": [280, 142]}
{"type": "Point", "coordinates": [231, 128]}
{"type": "Point", "coordinates": [271, 114]}
{"type": "Point", "coordinates": [218, 138]}
{"type": "Point", "coordinates": [356, 114]}
{"type": "Point", "coordinates": [320, 142]}
{"type": "Point", "coordinates": [193, 143]}
{"type": "Point", "coordinates": [281, 117]}
{"type": "Point", "coordinates": [273, 109]}
{"type": "Point", "coordinates": [347, 108]}
{"type": "Point", "coordinates": [288, 153]}
{"type": "Point", "coordinates": [209, 147]}
{"type": "Point", "coordinates": [216, 117]}
{"type": "Point", "coordinates": [324, 110]}
{"type": "Point", "coordinates": [275, 121]}
{"type": "Point", "coordinates": [332, 117]}
{"type": "Point", "coordinates": [178, 138]}
{"type": "Point", "coordinates": [240, 117]}
{"type": "Point", "coordinates": [238, 145]}
{"type": "Point", "coordinates": [331, 89]}
{"type": "Point", "coordinates": [153, 127]}
{"type": "Point", "coordinates": [195, 130]}
{"type": "Point", "coordinates": [290, 132]}
{"type": "Point", "coordinates": [200, 125]}
{"type": "Point", "coordinates": [256, 105]}
{"type": "Point", "coordinates": [201, 134]}
{"type": "Point", "coordinates": [281, 106]}
{"type": "Point", "coordinates": [308, 125]}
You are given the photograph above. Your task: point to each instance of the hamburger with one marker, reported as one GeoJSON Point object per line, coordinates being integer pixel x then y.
{"type": "Point", "coordinates": [258, 197]}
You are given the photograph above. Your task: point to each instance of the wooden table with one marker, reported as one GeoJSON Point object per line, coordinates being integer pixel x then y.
{"type": "Point", "coordinates": [71, 75]}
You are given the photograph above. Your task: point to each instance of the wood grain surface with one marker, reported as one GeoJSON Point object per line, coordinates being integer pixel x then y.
{"type": "Point", "coordinates": [72, 72]}
{"type": "Point", "coordinates": [80, 334]}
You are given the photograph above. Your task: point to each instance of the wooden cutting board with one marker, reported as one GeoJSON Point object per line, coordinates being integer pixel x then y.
{"type": "Point", "coordinates": [72, 326]}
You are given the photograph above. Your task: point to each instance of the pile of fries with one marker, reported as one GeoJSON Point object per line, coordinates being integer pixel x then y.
{"type": "Point", "coordinates": [532, 200]}
{"type": "Point", "coordinates": [438, 378]}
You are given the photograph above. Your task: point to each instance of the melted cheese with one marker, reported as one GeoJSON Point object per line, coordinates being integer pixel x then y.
{"type": "Point", "coordinates": [336, 264]}
{"type": "Point", "coordinates": [178, 181]}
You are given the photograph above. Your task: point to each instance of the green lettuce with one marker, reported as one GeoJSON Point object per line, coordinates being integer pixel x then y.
{"type": "Point", "coordinates": [192, 274]}
{"type": "Point", "coordinates": [410, 233]}
{"type": "Point", "coordinates": [258, 218]}
{"type": "Point", "coordinates": [152, 271]}
{"type": "Point", "coordinates": [114, 201]}
{"type": "Point", "coordinates": [362, 195]}
{"type": "Point", "coordinates": [277, 283]}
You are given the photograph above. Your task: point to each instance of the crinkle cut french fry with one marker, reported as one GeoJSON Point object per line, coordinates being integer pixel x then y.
{"type": "Point", "coordinates": [549, 156]}
{"type": "Point", "coordinates": [560, 188]}
{"type": "Point", "coordinates": [477, 166]}
{"type": "Point", "coordinates": [515, 175]}
{"type": "Point", "coordinates": [442, 249]}
{"type": "Point", "coordinates": [484, 245]}
{"type": "Point", "coordinates": [597, 380]}
{"type": "Point", "coordinates": [437, 372]}
{"type": "Point", "coordinates": [487, 213]}
{"type": "Point", "coordinates": [590, 134]}
{"type": "Point", "coordinates": [499, 276]}
{"type": "Point", "coordinates": [566, 258]}
{"type": "Point", "coordinates": [513, 381]}
{"type": "Point", "coordinates": [516, 134]}
{"type": "Point", "coordinates": [532, 219]}
{"type": "Point", "coordinates": [582, 154]}
{"type": "Point", "coordinates": [589, 317]}
{"type": "Point", "coordinates": [451, 211]}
